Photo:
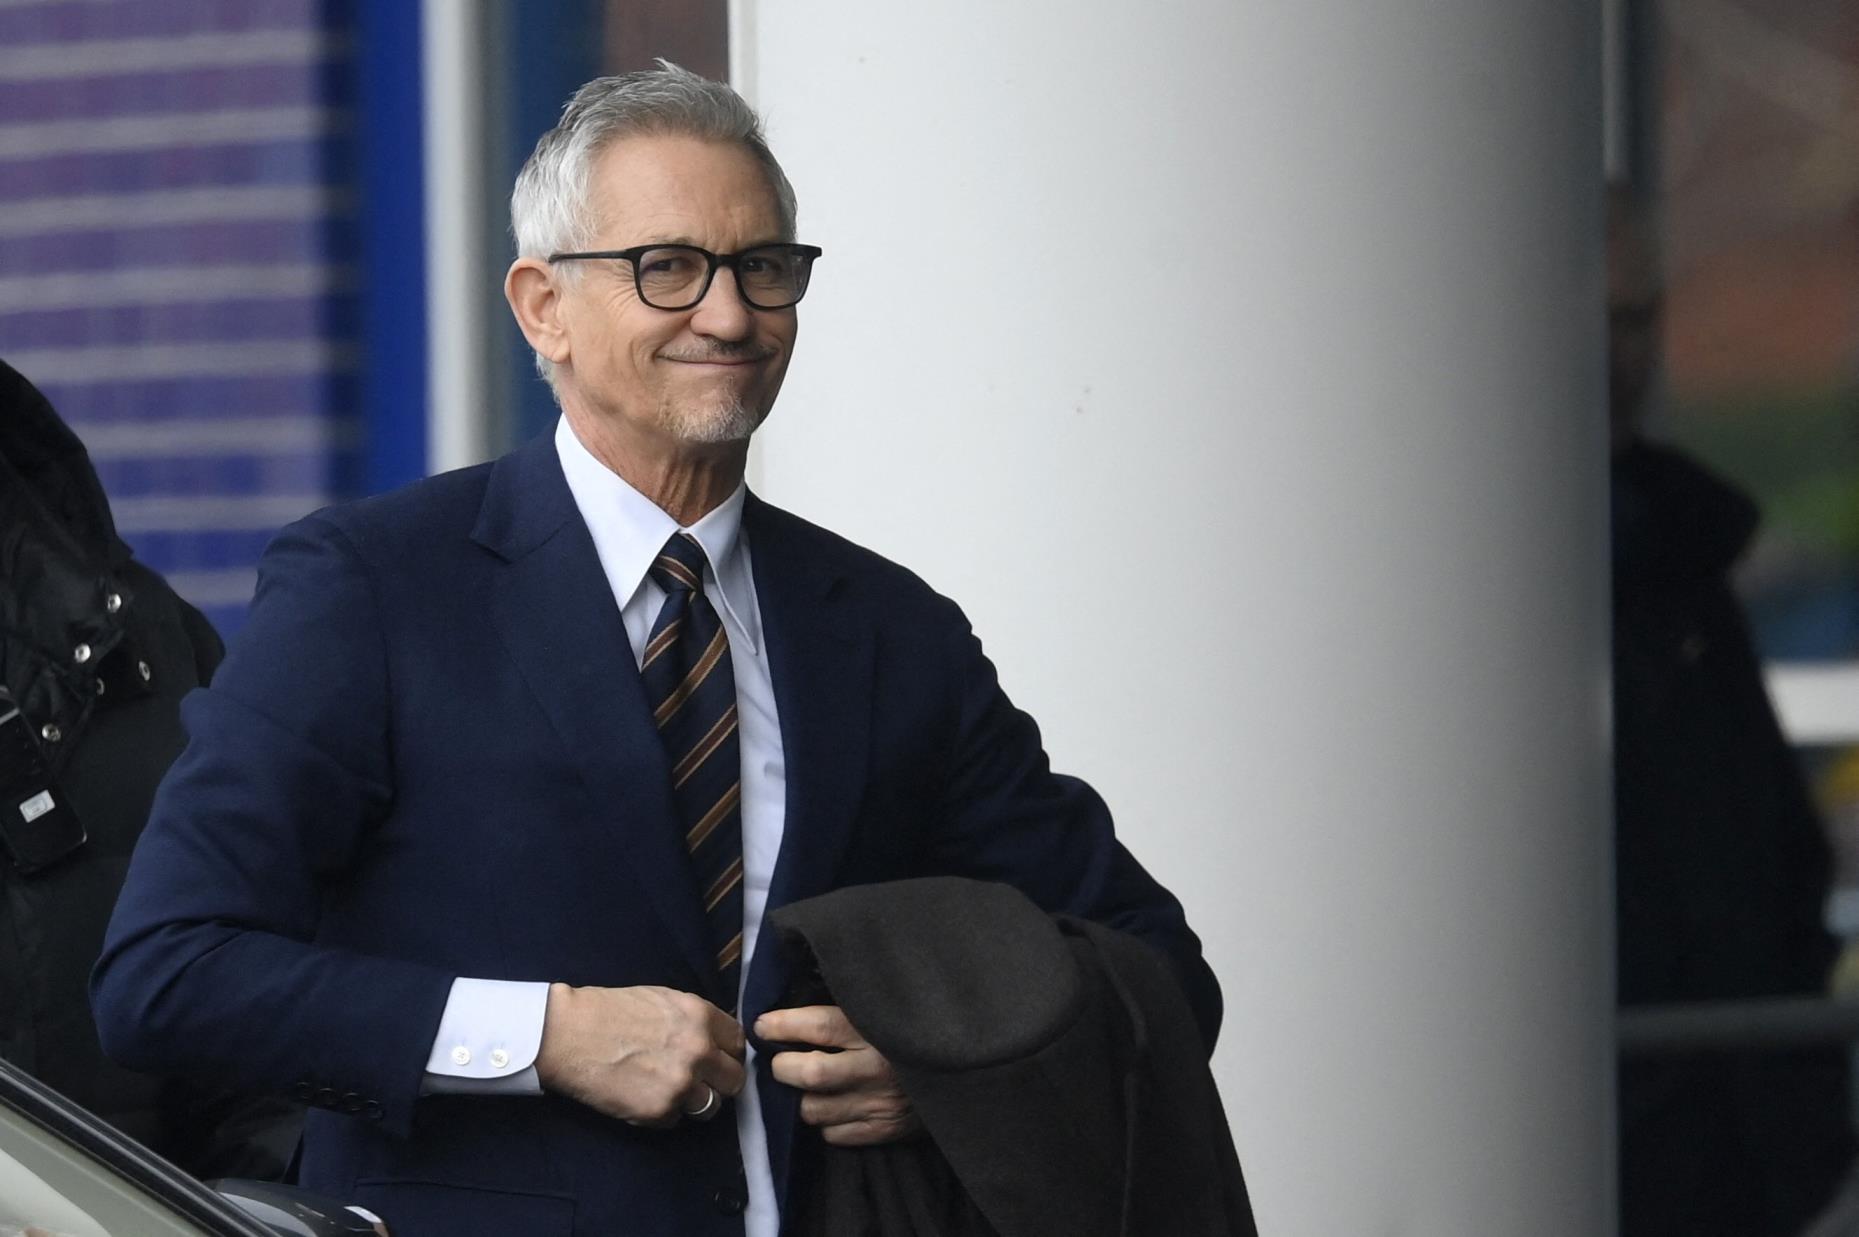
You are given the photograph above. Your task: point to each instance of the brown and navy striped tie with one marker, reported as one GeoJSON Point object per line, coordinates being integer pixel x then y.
{"type": "Point", "coordinates": [692, 691]}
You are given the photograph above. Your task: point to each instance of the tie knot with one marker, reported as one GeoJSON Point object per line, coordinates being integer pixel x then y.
{"type": "Point", "coordinates": [679, 567]}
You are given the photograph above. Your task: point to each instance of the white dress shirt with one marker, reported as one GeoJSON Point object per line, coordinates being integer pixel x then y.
{"type": "Point", "coordinates": [492, 1029]}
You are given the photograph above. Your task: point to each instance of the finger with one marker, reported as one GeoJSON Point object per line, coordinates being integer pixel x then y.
{"type": "Point", "coordinates": [653, 1123]}
{"type": "Point", "coordinates": [858, 1134]}
{"type": "Point", "coordinates": [723, 1072]}
{"type": "Point", "coordinates": [825, 1025]}
{"type": "Point", "coordinates": [725, 1032]}
{"type": "Point", "coordinates": [853, 1107]}
{"type": "Point", "coordinates": [869, 1133]}
{"type": "Point", "coordinates": [830, 1071]}
{"type": "Point", "coordinates": [701, 1103]}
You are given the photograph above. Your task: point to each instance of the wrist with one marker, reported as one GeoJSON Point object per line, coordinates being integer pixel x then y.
{"type": "Point", "coordinates": [555, 1020]}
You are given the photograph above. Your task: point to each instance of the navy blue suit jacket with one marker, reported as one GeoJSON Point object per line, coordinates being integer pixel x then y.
{"type": "Point", "coordinates": [429, 755]}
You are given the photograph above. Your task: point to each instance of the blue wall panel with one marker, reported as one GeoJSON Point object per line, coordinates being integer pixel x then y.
{"type": "Point", "coordinates": [211, 259]}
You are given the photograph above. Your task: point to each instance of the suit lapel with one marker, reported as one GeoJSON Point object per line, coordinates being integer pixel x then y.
{"type": "Point", "coordinates": [820, 657]}
{"type": "Point", "coordinates": [556, 615]}
{"type": "Point", "coordinates": [820, 651]}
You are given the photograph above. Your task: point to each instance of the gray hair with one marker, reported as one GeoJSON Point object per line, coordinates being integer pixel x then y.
{"type": "Point", "coordinates": [549, 208]}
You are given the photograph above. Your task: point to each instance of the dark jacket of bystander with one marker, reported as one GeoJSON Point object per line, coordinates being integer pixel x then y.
{"type": "Point", "coordinates": [1721, 875]}
{"type": "Point", "coordinates": [96, 652]}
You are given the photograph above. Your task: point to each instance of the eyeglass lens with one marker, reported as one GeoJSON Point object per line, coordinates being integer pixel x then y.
{"type": "Point", "coordinates": [675, 276]}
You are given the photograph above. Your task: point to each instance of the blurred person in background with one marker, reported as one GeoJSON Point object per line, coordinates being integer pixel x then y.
{"type": "Point", "coordinates": [95, 655]}
{"type": "Point", "coordinates": [1722, 870]}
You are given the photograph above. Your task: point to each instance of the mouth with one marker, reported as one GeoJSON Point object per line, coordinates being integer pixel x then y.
{"type": "Point", "coordinates": [721, 362]}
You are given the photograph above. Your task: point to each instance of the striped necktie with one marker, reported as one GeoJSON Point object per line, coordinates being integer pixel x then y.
{"type": "Point", "coordinates": [692, 691]}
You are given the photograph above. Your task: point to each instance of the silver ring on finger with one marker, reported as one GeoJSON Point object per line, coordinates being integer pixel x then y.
{"type": "Point", "coordinates": [709, 1108]}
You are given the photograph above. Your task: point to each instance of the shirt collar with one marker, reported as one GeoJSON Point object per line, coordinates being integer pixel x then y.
{"type": "Point", "coordinates": [629, 530]}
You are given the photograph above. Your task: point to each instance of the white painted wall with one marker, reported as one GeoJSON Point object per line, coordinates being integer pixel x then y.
{"type": "Point", "coordinates": [1239, 367]}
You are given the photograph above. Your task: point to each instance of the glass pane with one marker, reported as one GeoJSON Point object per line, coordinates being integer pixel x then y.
{"type": "Point", "coordinates": [1759, 164]}
{"type": "Point", "coordinates": [192, 304]}
{"type": "Point", "coordinates": [47, 1184]}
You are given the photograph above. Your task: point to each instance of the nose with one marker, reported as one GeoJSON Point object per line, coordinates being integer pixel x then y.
{"type": "Point", "coordinates": [723, 314]}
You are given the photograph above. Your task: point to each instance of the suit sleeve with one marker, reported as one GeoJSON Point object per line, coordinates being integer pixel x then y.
{"type": "Point", "coordinates": [1008, 817]}
{"type": "Point", "coordinates": [211, 965]}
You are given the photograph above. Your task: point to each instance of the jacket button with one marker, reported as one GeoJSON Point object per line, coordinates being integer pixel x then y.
{"type": "Point", "coordinates": [303, 1091]}
{"type": "Point", "coordinates": [101, 687]}
{"type": "Point", "coordinates": [50, 733]}
{"type": "Point", "coordinates": [325, 1097]}
{"type": "Point", "coordinates": [113, 603]}
{"type": "Point", "coordinates": [142, 668]}
{"type": "Point", "coordinates": [350, 1102]}
{"type": "Point", "coordinates": [81, 654]}
{"type": "Point", "coordinates": [372, 1110]}
{"type": "Point", "coordinates": [731, 1200]}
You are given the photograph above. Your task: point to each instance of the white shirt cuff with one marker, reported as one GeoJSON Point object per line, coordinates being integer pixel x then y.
{"type": "Point", "coordinates": [488, 1039]}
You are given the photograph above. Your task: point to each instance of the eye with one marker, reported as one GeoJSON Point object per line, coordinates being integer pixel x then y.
{"type": "Point", "coordinates": [769, 265]}
{"type": "Point", "coordinates": [667, 262]}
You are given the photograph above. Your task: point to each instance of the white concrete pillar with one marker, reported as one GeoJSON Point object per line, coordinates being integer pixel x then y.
{"type": "Point", "coordinates": [460, 270]}
{"type": "Point", "coordinates": [1239, 367]}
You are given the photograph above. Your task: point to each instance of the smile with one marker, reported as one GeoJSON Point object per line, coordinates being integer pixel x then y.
{"type": "Point", "coordinates": [723, 362]}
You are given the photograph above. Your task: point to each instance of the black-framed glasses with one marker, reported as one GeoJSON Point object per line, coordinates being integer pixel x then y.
{"type": "Point", "coordinates": [678, 276]}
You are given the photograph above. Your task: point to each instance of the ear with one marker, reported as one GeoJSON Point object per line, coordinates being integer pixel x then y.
{"type": "Point", "coordinates": [536, 299]}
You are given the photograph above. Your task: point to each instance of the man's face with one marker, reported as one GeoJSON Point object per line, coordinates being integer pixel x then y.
{"type": "Point", "coordinates": [707, 374]}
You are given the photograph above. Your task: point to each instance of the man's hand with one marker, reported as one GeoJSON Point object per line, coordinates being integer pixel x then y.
{"type": "Point", "coordinates": [650, 1056]}
{"type": "Point", "coordinates": [851, 1095]}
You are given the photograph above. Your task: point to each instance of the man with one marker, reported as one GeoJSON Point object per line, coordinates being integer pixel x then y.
{"type": "Point", "coordinates": [1722, 870]}
{"type": "Point", "coordinates": [496, 786]}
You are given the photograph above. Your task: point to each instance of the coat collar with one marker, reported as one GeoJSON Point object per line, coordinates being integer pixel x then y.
{"type": "Point", "coordinates": [47, 470]}
{"type": "Point", "coordinates": [60, 535]}
{"type": "Point", "coordinates": [526, 502]}
{"type": "Point", "coordinates": [630, 530]}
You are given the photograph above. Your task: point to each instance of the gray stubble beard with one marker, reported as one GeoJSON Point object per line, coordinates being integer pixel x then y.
{"type": "Point", "coordinates": [730, 420]}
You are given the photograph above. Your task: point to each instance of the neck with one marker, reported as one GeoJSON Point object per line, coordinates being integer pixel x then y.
{"type": "Point", "coordinates": [685, 480]}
